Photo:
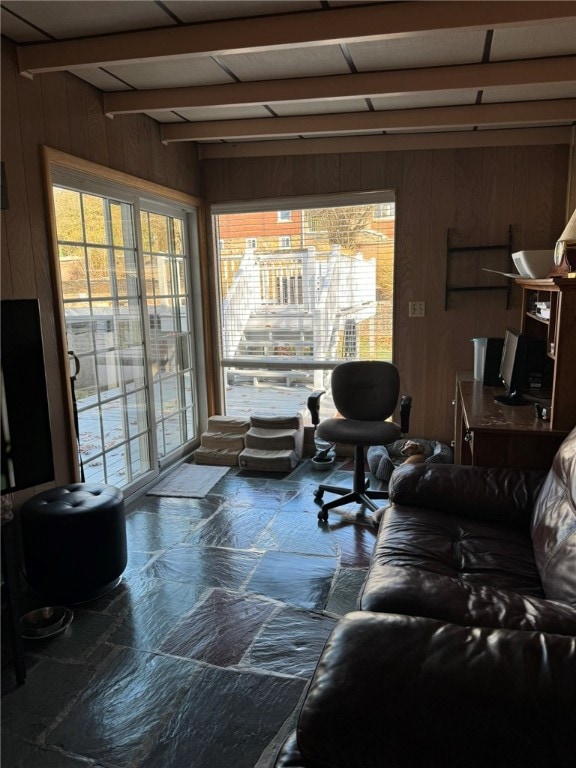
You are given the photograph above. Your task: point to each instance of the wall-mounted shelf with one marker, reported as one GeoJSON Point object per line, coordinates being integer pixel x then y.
{"type": "Point", "coordinates": [453, 250]}
{"type": "Point", "coordinates": [558, 333]}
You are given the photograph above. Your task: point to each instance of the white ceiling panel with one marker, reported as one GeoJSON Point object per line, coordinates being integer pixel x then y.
{"type": "Point", "coordinates": [193, 10]}
{"type": "Point", "coordinates": [320, 107]}
{"type": "Point", "coordinates": [173, 73]}
{"type": "Point", "coordinates": [63, 19]}
{"type": "Point", "coordinates": [293, 62]}
{"type": "Point", "coordinates": [538, 92]}
{"type": "Point", "coordinates": [19, 30]}
{"type": "Point", "coordinates": [101, 79]}
{"type": "Point", "coordinates": [201, 114]}
{"type": "Point", "coordinates": [553, 39]}
{"type": "Point", "coordinates": [428, 99]}
{"type": "Point", "coordinates": [428, 50]}
{"type": "Point", "coordinates": [165, 117]}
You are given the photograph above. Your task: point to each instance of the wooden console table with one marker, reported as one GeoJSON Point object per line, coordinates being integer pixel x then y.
{"type": "Point", "coordinates": [488, 434]}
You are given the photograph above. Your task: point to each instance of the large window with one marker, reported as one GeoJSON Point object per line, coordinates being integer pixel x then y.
{"type": "Point", "coordinates": [125, 274]}
{"type": "Point", "coordinates": [318, 290]}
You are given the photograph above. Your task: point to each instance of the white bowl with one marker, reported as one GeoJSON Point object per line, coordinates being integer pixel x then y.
{"type": "Point", "coordinates": [533, 264]}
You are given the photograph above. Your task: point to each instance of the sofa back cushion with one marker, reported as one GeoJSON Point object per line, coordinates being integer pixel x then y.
{"type": "Point", "coordinates": [554, 526]}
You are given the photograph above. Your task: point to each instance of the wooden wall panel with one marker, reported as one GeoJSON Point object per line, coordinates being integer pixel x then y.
{"type": "Point", "coordinates": [55, 111]}
{"type": "Point", "coordinates": [478, 192]}
{"type": "Point", "coordinates": [303, 171]}
{"type": "Point", "coordinates": [96, 124]}
{"type": "Point", "coordinates": [65, 113]}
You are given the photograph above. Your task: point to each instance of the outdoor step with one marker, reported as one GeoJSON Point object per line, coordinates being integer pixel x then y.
{"type": "Point", "coordinates": [274, 439]}
{"type": "Point", "coordinates": [255, 375]}
{"type": "Point", "coordinates": [272, 344]}
{"type": "Point", "coordinates": [268, 461]}
{"type": "Point", "coordinates": [284, 310]}
{"type": "Point", "coordinates": [282, 329]}
{"type": "Point", "coordinates": [292, 324]}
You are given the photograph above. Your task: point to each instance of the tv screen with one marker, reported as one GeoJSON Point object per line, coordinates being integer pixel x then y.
{"type": "Point", "coordinates": [522, 356]}
{"type": "Point", "coordinates": [26, 440]}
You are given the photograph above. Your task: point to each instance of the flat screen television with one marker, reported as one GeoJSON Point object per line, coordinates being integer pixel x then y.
{"type": "Point", "coordinates": [522, 357]}
{"type": "Point", "coordinates": [27, 458]}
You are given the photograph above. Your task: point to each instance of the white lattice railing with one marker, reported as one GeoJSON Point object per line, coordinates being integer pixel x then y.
{"type": "Point", "coordinates": [331, 288]}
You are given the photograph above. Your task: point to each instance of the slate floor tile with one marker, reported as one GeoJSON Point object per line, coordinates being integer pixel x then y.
{"type": "Point", "coordinates": [252, 707]}
{"type": "Point", "coordinates": [291, 643]}
{"type": "Point", "coordinates": [153, 531]}
{"type": "Point", "coordinates": [152, 609]}
{"type": "Point", "coordinates": [50, 687]}
{"type": "Point", "coordinates": [123, 707]}
{"type": "Point", "coordinates": [302, 580]}
{"type": "Point", "coordinates": [76, 642]}
{"type": "Point", "coordinates": [297, 531]}
{"type": "Point", "coordinates": [345, 590]}
{"type": "Point", "coordinates": [220, 630]}
{"type": "Point", "coordinates": [205, 566]}
{"type": "Point", "coordinates": [233, 527]}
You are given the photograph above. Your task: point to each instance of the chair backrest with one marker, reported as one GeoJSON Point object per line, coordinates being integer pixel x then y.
{"type": "Point", "coordinates": [365, 390]}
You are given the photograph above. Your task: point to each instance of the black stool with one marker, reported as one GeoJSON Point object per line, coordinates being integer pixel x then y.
{"type": "Point", "coordinates": [74, 540]}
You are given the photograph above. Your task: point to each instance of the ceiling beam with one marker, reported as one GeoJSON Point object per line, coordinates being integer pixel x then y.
{"type": "Point", "coordinates": [512, 114]}
{"type": "Point", "coordinates": [338, 87]}
{"type": "Point", "coordinates": [311, 28]}
{"type": "Point", "coordinates": [390, 143]}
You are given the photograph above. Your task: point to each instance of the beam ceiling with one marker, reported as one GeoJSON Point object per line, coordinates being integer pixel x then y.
{"type": "Point", "coordinates": [438, 118]}
{"type": "Point", "coordinates": [336, 87]}
{"type": "Point", "coordinates": [312, 28]}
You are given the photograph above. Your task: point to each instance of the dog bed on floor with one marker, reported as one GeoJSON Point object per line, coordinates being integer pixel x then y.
{"type": "Point", "coordinates": [383, 459]}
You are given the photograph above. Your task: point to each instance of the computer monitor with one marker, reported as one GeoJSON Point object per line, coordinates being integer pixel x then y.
{"type": "Point", "coordinates": [521, 356]}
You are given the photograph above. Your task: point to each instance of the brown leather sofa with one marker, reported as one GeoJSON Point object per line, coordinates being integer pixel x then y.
{"type": "Point", "coordinates": [463, 654]}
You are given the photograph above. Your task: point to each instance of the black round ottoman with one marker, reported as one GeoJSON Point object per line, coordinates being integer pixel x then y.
{"type": "Point", "coordinates": [74, 540]}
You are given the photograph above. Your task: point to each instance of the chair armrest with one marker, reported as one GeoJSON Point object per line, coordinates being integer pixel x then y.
{"type": "Point", "coordinates": [409, 691]}
{"type": "Point", "coordinates": [485, 493]}
{"type": "Point", "coordinates": [313, 405]}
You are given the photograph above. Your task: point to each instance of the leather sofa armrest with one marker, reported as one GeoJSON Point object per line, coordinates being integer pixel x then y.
{"type": "Point", "coordinates": [502, 494]}
{"type": "Point", "coordinates": [407, 691]}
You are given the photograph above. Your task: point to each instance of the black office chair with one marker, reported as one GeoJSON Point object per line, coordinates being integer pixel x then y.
{"type": "Point", "coordinates": [365, 394]}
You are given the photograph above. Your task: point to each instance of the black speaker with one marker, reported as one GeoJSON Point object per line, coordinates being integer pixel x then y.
{"type": "Point", "coordinates": [26, 438]}
{"type": "Point", "coordinates": [494, 347]}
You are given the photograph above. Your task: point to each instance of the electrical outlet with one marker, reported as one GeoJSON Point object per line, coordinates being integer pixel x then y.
{"type": "Point", "coordinates": [416, 309]}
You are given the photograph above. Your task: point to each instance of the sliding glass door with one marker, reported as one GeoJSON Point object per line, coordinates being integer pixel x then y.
{"type": "Point", "coordinates": [124, 266]}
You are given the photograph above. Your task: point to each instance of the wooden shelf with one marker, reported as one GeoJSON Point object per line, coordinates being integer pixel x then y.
{"type": "Point", "coordinates": [453, 250]}
{"type": "Point", "coordinates": [559, 332]}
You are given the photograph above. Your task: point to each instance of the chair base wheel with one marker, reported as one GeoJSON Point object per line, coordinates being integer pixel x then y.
{"type": "Point", "coordinates": [323, 515]}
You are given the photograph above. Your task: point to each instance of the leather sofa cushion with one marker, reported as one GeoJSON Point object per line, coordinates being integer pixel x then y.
{"type": "Point", "coordinates": [401, 691]}
{"type": "Point", "coordinates": [554, 526]}
{"type": "Point", "coordinates": [469, 572]}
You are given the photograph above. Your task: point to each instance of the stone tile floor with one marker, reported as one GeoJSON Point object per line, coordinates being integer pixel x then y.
{"type": "Point", "coordinates": [199, 658]}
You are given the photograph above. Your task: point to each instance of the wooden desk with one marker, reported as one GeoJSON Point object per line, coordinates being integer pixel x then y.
{"type": "Point", "coordinates": [489, 434]}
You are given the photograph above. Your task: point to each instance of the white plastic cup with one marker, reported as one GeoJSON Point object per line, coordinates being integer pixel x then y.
{"type": "Point", "coordinates": [479, 357]}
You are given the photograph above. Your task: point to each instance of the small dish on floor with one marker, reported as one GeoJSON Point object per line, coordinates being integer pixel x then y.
{"type": "Point", "coordinates": [45, 622]}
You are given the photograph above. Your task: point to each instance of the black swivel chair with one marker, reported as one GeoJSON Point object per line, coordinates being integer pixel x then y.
{"type": "Point", "coordinates": [365, 394]}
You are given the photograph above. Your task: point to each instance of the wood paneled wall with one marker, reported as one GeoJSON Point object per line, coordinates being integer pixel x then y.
{"type": "Point", "coordinates": [65, 113]}
{"type": "Point", "coordinates": [478, 192]}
